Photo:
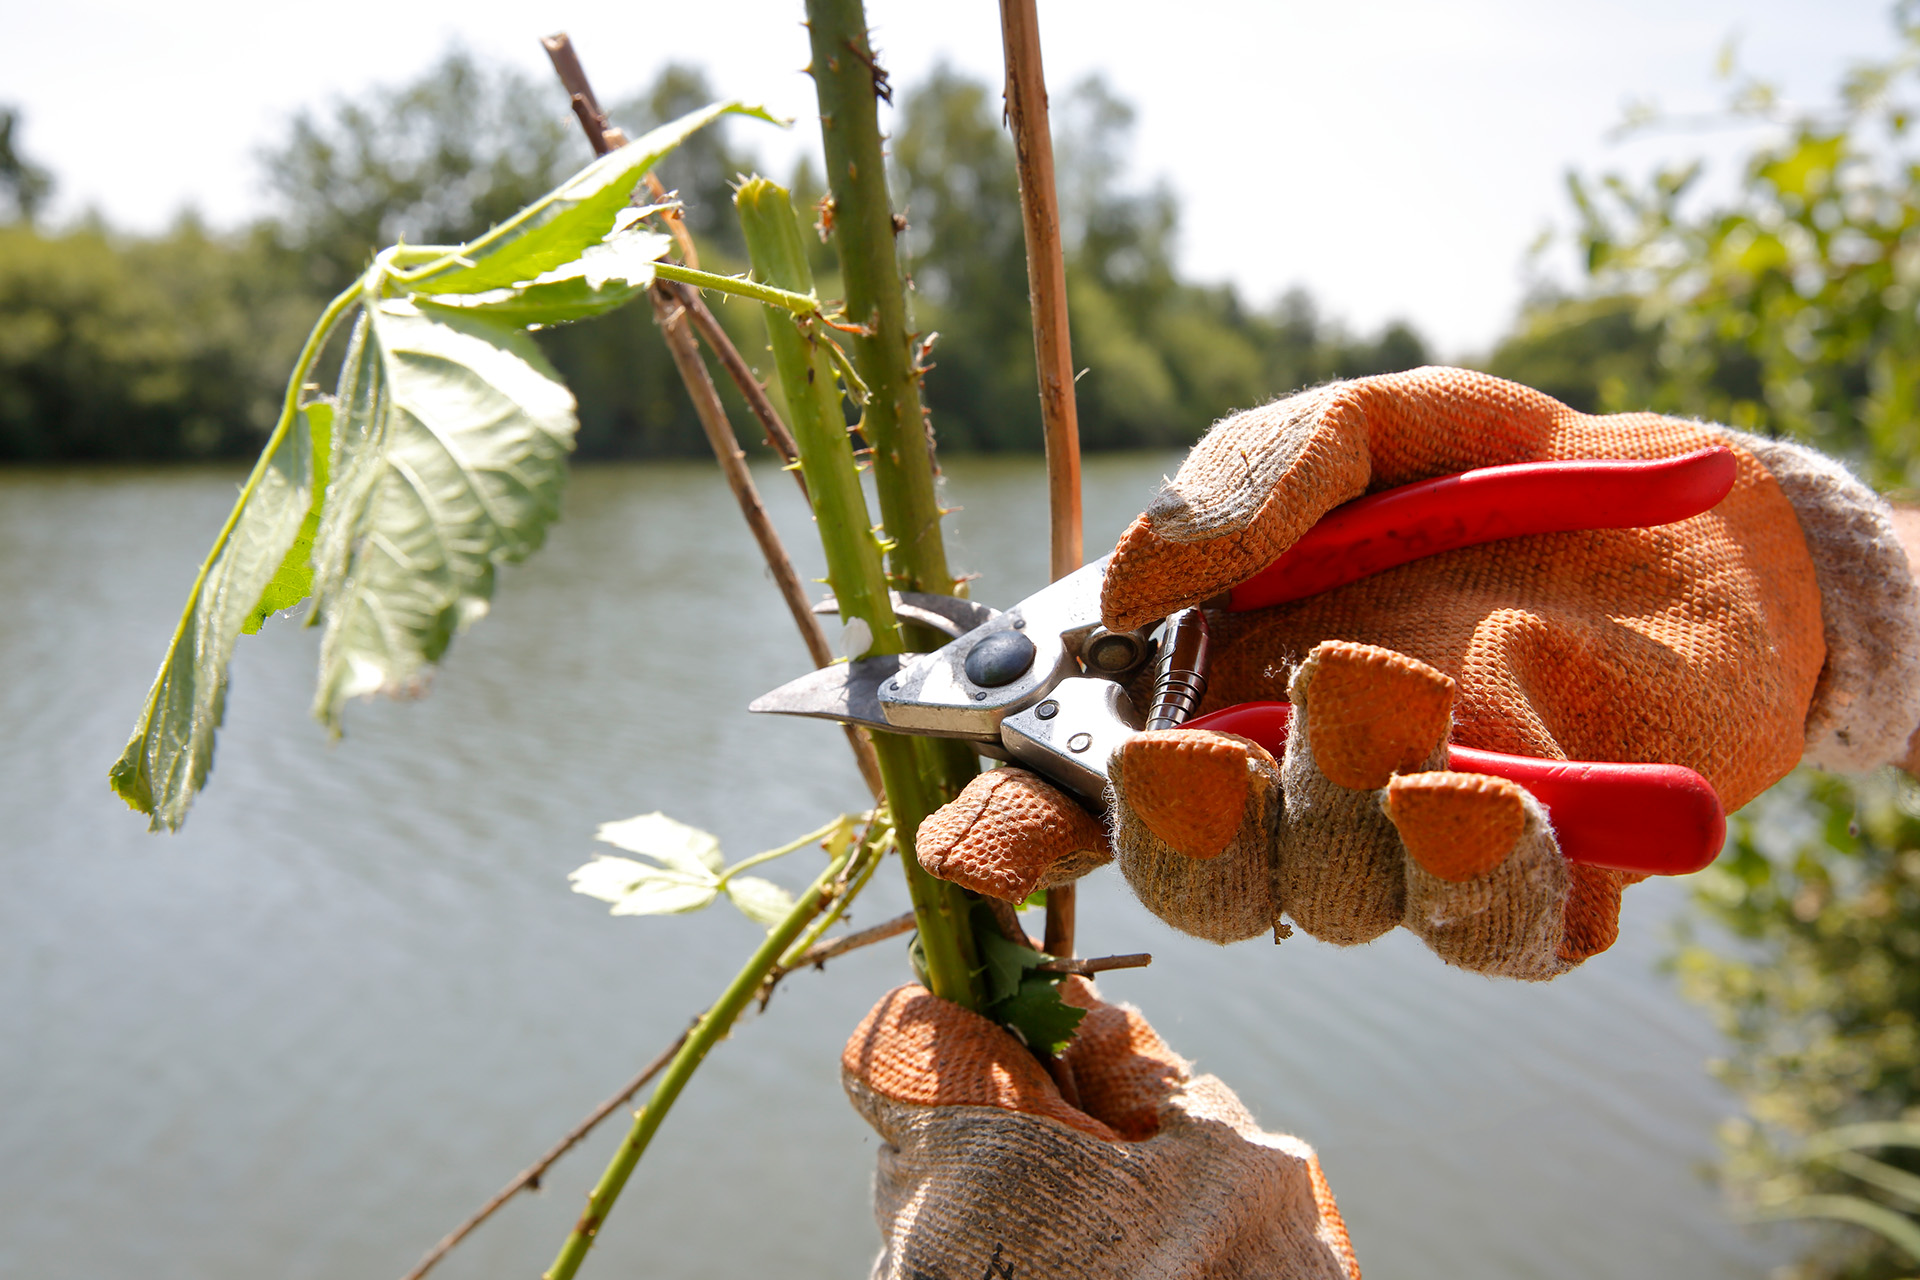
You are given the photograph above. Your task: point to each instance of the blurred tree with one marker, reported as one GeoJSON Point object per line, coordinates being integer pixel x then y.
{"type": "Point", "coordinates": [440, 159]}
{"type": "Point", "coordinates": [24, 185]}
{"type": "Point", "coordinates": [433, 162]}
{"type": "Point", "coordinates": [1162, 358]}
{"type": "Point", "coordinates": [1819, 998]}
{"type": "Point", "coordinates": [174, 347]}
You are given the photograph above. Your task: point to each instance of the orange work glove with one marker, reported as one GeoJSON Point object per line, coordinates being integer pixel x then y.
{"type": "Point", "coordinates": [988, 1171]}
{"type": "Point", "coordinates": [1782, 624]}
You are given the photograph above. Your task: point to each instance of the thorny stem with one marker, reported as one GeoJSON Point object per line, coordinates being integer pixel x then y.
{"type": "Point", "coordinates": [925, 773]}
{"type": "Point", "coordinates": [849, 84]}
{"type": "Point", "coordinates": [736, 366]}
{"type": "Point", "coordinates": [711, 1028]}
{"type": "Point", "coordinates": [801, 304]}
{"type": "Point", "coordinates": [733, 465]}
{"type": "Point", "coordinates": [919, 777]}
{"type": "Point", "coordinates": [816, 954]}
{"type": "Point", "coordinates": [604, 138]}
{"type": "Point", "coordinates": [877, 844]}
{"type": "Point", "coordinates": [821, 952]}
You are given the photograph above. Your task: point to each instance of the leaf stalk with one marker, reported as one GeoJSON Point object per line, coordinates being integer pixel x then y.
{"type": "Point", "coordinates": [712, 1027]}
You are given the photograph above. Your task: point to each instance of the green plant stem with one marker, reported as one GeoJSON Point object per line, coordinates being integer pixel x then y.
{"type": "Point", "coordinates": [712, 1027]}
{"type": "Point", "coordinates": [919, 776]}
{"type": "Point", "coordinates": [801, 304]}
{"type": "Point", "coordinates": [781, 852]}
{"type": "Point", "coordinates": [848, 82]}
{"type": "Point", "coordinates": [872, 852]}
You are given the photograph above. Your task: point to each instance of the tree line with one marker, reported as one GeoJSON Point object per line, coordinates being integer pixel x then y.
{"type": "Point", "coordinates": [148, 348]}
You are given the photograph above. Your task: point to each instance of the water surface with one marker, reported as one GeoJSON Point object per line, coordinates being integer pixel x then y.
{"type": "Point", "coordinates": [307, 1035]}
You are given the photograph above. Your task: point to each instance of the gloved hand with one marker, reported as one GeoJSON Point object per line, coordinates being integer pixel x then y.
{"type": "Point", "coordinates": [988, 1171]}
{"type": "Point", "coordinates": [1782, 623]}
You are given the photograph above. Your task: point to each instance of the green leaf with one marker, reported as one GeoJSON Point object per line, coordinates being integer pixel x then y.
{"type": "Point", "coordinates": [450, 458]}
{"type": "Point", "coordinates": [559, 227]}
{"type": "Point", "coordinates": [294, 579]}
{"type": "Point", "coordinates": [674, 844]}
{"type": "Point", "coordinates": [1005, 963]}
{"type": "Point", "coordinates": [641, 889]}
{"type": "Point", "coordinates": [1025, 1002]}
{"type": "Point", "coordinates": [606, 276]}
{"type": "Point", "coordinates": [170, 753]}
{"type": "Point", "coordinates": [1038, 1015]}
{"type": "Point", "coordinates": [761, 901]}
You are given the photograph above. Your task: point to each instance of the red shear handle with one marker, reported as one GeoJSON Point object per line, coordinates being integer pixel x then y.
{"type": "Point", "coordinates": [1656, 819]}
{"type": "Point", "coordinates": [1390, 528]}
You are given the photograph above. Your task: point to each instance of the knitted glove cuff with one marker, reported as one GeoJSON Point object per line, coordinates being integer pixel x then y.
{"type": "Point", "coordinates": [1867, 702]}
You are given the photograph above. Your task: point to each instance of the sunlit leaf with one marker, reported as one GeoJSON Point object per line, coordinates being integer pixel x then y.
{"type": "Point", "coordinates": [170, 753]}
{"type": "Point", "coordinates": [556, 229]}
{"type": "Point", "coordinates": [604, 277]}
{"type": "Point", "coordinates": [761, 901]}
{"type": "Point", "coordinates": [450, 459]}
{"type": "Point", "coordinates": [675, 844]}
{"type": "Point", "coordinates": [293, 581]}
{"type": "Point", "coordinates": [640, 889]}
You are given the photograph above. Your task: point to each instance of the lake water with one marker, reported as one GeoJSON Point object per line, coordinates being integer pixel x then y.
{"type": "Point", "coordinates": [309, 1034]}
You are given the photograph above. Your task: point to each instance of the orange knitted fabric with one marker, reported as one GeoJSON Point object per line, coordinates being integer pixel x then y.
{"type": "Point", "coordinates": [1008, 833]}
{"type": "Point", "coordinates": [1699, 643]}
{"type": "Point", "coordinates": [1696, 643]}
{"type": "Point", "coordinates": [984, 1170]}
{"type": "Point", "coordinates": [914, 1047]}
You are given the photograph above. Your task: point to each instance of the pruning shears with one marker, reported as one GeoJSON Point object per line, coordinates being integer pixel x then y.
{"type": "Point", "coordinates": [1042, 684]}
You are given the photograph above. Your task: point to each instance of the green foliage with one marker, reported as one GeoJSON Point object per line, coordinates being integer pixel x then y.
{"type": "Point", "coordinates": [1026, 1002]}
{"type": "Point", "coordinates": [292, 582]}
{"type": "Point", "coordinates": [1788, 306]}
{"type": "Point", "coordinates": [449, 460]}
{"type": "Point", "coordinates": [171, 752]}
{"type": "Point", "coordinates": [172, 347]}
{"type": "Point", "coordinates": [1886, 1199]}
{"type": "Point", "coordinates": [1819, 995]}
{"type": "Point", "coordinates": [447, 456]}
{"type": "Point", "coordinates": [685, 872]}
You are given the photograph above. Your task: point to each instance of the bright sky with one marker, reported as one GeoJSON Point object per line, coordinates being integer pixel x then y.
{"type": "Point", "coordinates": [1396, 157]}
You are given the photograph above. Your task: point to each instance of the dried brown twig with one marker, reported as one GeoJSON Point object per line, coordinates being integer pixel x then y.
{"type": "Point", "coordinates": [673, 304]}
{"type": "Point", "coordinates": [1026, 96]}
{"type": "Point", "coordinates": [530, 1176]}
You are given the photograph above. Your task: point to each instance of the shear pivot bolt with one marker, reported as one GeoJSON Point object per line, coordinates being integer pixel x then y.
{"type": "Point", "coordinates": [1079, 742]}
{"type": "Point", "coordinates": [999, 658]}
{"type": "Point", "coordinates": [1047, 710]}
